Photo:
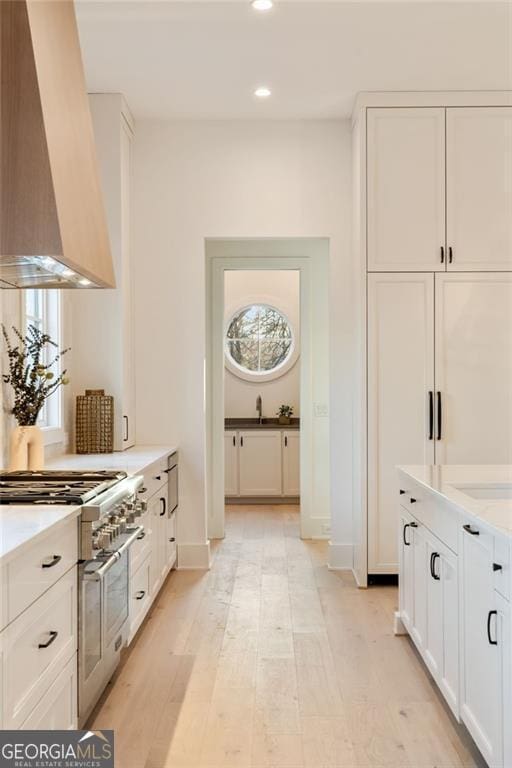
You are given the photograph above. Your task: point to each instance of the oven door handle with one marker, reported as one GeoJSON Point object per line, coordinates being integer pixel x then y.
{"type": "Point", "coordinates": [99, 573]}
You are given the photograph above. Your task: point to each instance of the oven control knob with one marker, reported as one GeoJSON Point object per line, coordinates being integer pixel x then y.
{"type": "Point", "coordinates": [122, 523]}
{"type": "Point", "coordinates": [96, 541]}
{"type": "Point", "coordinates": [104, 539]}
{"type": "Point", "coordinates": [141, 506]}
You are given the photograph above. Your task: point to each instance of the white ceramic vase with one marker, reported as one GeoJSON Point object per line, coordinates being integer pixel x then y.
{"type": "Point", "coordinates": [26, 449]}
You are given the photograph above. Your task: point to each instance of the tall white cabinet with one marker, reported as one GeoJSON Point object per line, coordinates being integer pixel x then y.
{"type": "Point", "coordinates": [103, 320]}
{"type": "Point", "coordinates": [433, 297]}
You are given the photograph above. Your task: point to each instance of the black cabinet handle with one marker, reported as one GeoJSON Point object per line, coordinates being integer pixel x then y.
{"type": "Point", "coordinates": [55, 559]}
{"type": "Point", "coordinates": [172, 540]}
{"type": "Point", "coordinates": [497, 567]}
{"type": "Point", "coordinates": [407, 543]}
{"type": "Point", "coordinates": [450, 255]}
{"type": "Point", "coordinates": [143, 489]}
{"type": "Point", "coordinates": [472, 531]}
{"type": "Point", "coordinates": [126, 429]}
{"type": "Point", "coordinates": [402, 492]}
{"type": "Point", "coordinates": [489, 617]}
{"type": "Point", "coordinates": [164, 506]}
{"type": "Point", "coordinates": [430, 415]}
{"type": "Point", "coordinates": [53, 637]}
{"type": "Point", "coordinates": [433, 557]}
{"type": "Point", "coordinates": [234, 441]}
{"type": "Point", "coordinates": [286, 441]}
{"type": "Point", "coordinates": [442, 254]}
{"type": "Point", "coordinates": [140, 595]}
{"type": "Point", "coordinates": [413, 501]}
{"type": "Point", "coordinates": [439, 417]}
{"type": "Point", "coordinates": [241, 442]}
{"type": "Point", "coordinates": [413, 525]}
{"type": "Point", "coordinates": [141, 535]}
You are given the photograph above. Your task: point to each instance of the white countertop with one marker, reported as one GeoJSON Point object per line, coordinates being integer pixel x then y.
{"type": "Point", "coordinates": [443, 479]}
{"type": "Point", "coordinates": [132, 461]}
{"type": "Point", "coordinates": [21, 524]}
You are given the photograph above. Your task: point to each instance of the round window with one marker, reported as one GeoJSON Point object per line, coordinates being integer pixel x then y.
{"type": "Point", "coordinates": [259, 342]}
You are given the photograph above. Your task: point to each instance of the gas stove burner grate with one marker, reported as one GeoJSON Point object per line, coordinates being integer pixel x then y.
{"type": "Point", "coordinates": [56, 486]}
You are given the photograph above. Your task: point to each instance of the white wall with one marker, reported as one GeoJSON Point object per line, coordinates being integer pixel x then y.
{"type": "Point", "coordinates": [279, 288]}
{"type": "Point", "coordinates": [194, 180]}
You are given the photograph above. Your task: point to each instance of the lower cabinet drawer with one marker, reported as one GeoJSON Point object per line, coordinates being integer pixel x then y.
{"type": "Point", "coordinates": [139, 596]}
{"type": "Point", "coordinates": [36, 647]}
{"type": "Point", "coordinates": [141, 547]}
{"type": "Point", "coordinates": [57, 710]}
{"type": "Point", "coordinates": [41, 565]}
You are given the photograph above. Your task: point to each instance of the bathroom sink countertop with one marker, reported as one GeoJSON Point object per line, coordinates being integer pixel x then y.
{"type": "Point", "coordinates": [235, 423]}
{"type": "Point", "coordinates": [482, 491]}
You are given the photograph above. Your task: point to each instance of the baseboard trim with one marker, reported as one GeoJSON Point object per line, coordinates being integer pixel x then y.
{"type": "Point", "coordinates": [274, 500]}
{"type": "Point", "coordinates": [340, 557]}
{"type": "Point", "coordinates": [193, 557]}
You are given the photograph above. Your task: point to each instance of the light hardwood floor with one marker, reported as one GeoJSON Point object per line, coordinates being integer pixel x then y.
{"type": "Point", "coordinates": [269, 659]}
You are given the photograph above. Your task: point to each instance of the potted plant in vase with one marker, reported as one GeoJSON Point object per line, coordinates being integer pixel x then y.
{"type": "Point", "coordinates": [30, 359]}
{"type": "Point", "coordinates": [285, 414]}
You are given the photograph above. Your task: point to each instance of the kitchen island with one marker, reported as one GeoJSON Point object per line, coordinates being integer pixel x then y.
{"type": "Point", "coordinates": [455, 588]}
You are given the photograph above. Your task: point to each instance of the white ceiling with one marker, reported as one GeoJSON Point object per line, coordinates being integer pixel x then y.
{"type": "Point", "coordinates": [200, 60]}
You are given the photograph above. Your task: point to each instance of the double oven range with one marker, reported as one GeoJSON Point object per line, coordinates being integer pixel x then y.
{"type": "Point", "coordinates": [110, 508]}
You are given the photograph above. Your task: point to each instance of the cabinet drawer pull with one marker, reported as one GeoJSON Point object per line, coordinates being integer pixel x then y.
{"type": "Point", "coordinates": [413, 501]}
{"type": "Point", "coordinates": [140, 595]}
{"type": "Point", "coordinates": [241, 442]}
{"type": "Point", "coordinates": [402, 492]}
{"type": "Point", "coordinates": [497, 567]}
{"type": "Point", "coordinates": [406, 526]}
{"type": "Point", "coordinates": [53, 635]}
{"type": "Point", "coordinates": [55, 559]}
{"type": "Point", "coordinates": [234, 441]}
{"type": "Point", "coordinates": [127, 429]}
{"type": "Point", "coordinates": [164, 506]}
{"type": "Point", "coordinates": [141, 536]}
{"type": "Point", "coordinates": [286, 441]}
{"type": "Point", "coordinates": [430, 415]}
{"type": "Point", "coordinates": [472, 531]}
{"type": "Point", "coordinates": [433, 558]}
{"type": "Point", "coordinates": [143, 489]}
{"type": "Point", "coordinates": [450, 255]}
{"type": "Point", "coordinates": [439, 417]}
{"type": "Point", "coordinates": [442, 254]}
{"type": "Point", "coordinates": [489, 617]}
{"type": "Point", "coordinates": [172, 539]}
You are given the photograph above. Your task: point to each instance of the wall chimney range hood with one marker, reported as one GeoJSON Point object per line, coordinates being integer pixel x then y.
{"type": "Point", "coordinates": [53, 229]}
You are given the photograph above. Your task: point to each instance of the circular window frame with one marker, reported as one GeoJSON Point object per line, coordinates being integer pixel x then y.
{"type": "Point", "coordinates": [280, 370]}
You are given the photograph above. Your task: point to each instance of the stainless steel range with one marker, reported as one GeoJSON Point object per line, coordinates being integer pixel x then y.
{"type": "Point", "coordinates": [109, 511]}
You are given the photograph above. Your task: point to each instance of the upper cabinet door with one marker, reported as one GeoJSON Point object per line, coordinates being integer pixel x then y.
{"type": "Point", "coordinates": [473, 349]}
{"type": "Point", "coordinates": [406, 190]}
{"type": "Point", "coordinates": [479, 188]}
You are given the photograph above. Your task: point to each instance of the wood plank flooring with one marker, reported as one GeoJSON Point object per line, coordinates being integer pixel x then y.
{"type": "Point", "coordinates": [270, 660]}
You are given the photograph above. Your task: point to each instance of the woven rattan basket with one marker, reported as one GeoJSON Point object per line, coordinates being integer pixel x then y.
{"type": "Point", "coordinates": [94, 422]}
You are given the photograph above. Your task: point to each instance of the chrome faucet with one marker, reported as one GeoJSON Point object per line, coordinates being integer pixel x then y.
{"type": "Point", "coordinates": [259, 408]}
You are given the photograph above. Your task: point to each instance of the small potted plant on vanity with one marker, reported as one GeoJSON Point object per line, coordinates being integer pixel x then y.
{"type": "Point", "coordinates": [285, 414]}
{"type": "Point", "coordinates": [30, 358]}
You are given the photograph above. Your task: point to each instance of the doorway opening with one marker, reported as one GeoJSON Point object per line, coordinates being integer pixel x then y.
{"type": "Point", "coordinates": [267, 347]}
{"type": "Point", "coordinates": [262, 393]}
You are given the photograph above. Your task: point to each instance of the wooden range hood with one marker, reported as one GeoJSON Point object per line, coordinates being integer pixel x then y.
{"type": "Point", "coordinates": [53, 229]}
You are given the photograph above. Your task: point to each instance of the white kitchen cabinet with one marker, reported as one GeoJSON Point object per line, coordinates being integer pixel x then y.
{"type": "Point", "coordinates": [406, 189]}
{"type": "Point", "coordinates": [483, 654]}
{"type": "Point", "coordinates": [230, 463]}
{"type": "Point", "coordinates": [400, 394]}
{"type": "Point", "coordinates": [159, 512]}
{"type": "Point", "coordinates": [291, 463]}
{"type": "Point", "coordinates": [479, 188]}
{"type": "Point", "coordinates": [57, 710]}
{"type": "Point", "coordinates": [260, 463]}
{"type": "Point", "coordinates": [103, 320]}
{"type": "Point", "coordinates": [473, 341]}
{"type": "Point", "coordinates": [140, 595]}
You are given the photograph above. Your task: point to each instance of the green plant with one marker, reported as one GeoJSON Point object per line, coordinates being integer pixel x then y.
{"type": "Point", "coordinates": [285, 410]}
{"type": "Point", "coordinates": [29, 374]}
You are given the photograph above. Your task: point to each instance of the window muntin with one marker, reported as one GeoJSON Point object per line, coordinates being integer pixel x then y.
{"type": "Point", "coordinates": [259, 339]}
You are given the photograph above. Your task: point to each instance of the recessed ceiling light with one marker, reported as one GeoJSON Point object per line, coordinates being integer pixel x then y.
{"type": "Point", "coordinates": [262, 92]}
{"type": "Point", "coordinates": [262, 5]}
{"type": "Point", "coordinates": [84, 281]}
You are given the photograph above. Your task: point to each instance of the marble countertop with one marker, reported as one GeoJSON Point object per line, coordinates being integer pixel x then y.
{"type": "Point", "coordinates": [22, 524]}
{"type": "Point", "coordinates": [131, 461]}
{"type": "Point", "coordinates": [450, 482]}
